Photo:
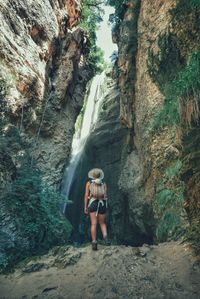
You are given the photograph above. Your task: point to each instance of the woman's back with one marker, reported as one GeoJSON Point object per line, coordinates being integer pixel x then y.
{"type": "Point", "coordinates": [97, 190]}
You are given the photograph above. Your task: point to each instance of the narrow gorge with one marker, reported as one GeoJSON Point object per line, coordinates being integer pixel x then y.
{"type": "Point", "coordinates": [128, 104]}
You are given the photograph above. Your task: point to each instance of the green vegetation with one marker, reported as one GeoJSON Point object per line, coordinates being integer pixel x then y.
{"type": "Point", "coordinates": [169, 205]}
{"type": "Point", "coordinates": [183, 6]}
{"type": "Point", "coordinates": [162, 65]}
{"type": "Point", "coordinates": [181, 106]}
{"type": "Point", "coordinates": [91, 17]}
{"type": "Point", "coordinates": [34, 210]}
{"type": "Point", "coordinates": [192, 233]}
{"type": "Point", "coordinates": [30, 218]}
{"type": "Point", "coordinates": [175, 68]}
{"type": "Point", "coordinates": [176, 71]}
{"type": "Point", "coordinates": [116, 18]}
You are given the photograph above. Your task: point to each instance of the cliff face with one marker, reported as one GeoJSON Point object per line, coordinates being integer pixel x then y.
{"type": "Point", "coordinates": [157, 151]}
{"type": "Point", "coordinates": [43, 76]}
{"type": "Point", "coordinates": [42, 60]}
{"type": "Point", "coordinates": [162, 47]}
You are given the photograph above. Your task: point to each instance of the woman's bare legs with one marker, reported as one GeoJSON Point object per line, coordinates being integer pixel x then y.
{"type": "Point", "coordinates": [101, 221]}
{"type": "Point", "coordinates": [93, 228]}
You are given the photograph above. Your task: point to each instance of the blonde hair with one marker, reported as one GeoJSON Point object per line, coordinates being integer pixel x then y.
{"type": "Point", "coordinates": [96, 175]}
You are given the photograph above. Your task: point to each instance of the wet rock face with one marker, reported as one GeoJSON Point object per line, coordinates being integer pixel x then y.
{"type": "Point", "coordinates": [130, 219]}
{"type": "Point", "coordinates": [41, 55]}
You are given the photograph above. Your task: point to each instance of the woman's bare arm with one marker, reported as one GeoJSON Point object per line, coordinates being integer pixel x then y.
{"type": "Point", "coordinates": [87, 191]}
{"type": "Point", "coordinates": [105, 190]}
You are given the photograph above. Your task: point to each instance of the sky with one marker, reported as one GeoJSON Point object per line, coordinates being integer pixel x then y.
{"type": "Point", "coordinates": [104, 37]}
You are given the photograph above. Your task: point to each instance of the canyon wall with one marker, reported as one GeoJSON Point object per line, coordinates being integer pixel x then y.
{"type": "Point", "coordinates": [43, 76]}
{"type": "Point", "coordinates": [44, 69]}
{"type": "Point", "coordinates": [160, 116]}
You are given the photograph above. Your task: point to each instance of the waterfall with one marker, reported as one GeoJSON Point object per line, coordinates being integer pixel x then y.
{"type": "Point", "coordinates": [90, 116]}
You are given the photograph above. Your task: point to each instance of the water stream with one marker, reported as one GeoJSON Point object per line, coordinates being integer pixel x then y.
{"type": "Point", "coordinates": [90, 117]}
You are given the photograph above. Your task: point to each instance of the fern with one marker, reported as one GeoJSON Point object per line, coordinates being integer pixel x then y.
{"type": "Point", "coordinates": [168, 204]}
{"type": "Point", "coordinates": [182, 97]}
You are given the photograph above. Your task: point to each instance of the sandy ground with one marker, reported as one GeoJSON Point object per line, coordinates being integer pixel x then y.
{"type": "Point", "coordinates": [150, 272]}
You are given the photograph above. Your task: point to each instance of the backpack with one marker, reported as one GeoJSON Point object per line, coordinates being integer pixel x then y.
{"type": "Point", "coordinates": [97, 190]}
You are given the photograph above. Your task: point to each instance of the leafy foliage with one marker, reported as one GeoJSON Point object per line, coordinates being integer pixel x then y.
{"type": "Point", "coordinates": [30, 221]}
{"type": "Point", "coordinates": [184, 6]}
{"type": "Point", "coordinates": [91, 17]}
{"type": "Point", "coordinates": [192, 234]}
{"type": "Point", "coordinates": [34, 208]}
{"type": "Point", "coordinates": [116, 18]}
{"type": "Point", "coordinates": [169, 204]}
{"type": "Point", "coordinates": [162, 65]}
{"type": "Point", "coordinates": [181, 106]}
{"type": "Point", "coordinates": [177, 73]}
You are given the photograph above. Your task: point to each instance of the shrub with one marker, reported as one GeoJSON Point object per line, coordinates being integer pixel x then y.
{"type": "Point", "coordinates": [116, 18]}
{"type": "Point", "coordinates": [192, 234]}
{"type": "Point", "coordinates": [169, 204]}
{"type": "Point", "coordinates": [33, 207]}
{"type": "Point", "coordinates": [91, 17]}
{"type": "Point", "coordinates": [30, 221]}
{"type": "Point", "coordinates": [182, 97]}
{"type": "Point", "coordinates": [183, 6]}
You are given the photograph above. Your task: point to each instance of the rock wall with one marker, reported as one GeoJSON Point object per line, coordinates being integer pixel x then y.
{"type": "Point", "coordinates": [43, 76]}
{"type": "Point", "coordinates": [151, 19]}
{"type": "Point", "coordinates": [157, 151]}
{"type": "Point", "coordinates": [162, 46]}
{"type": "Point", "coordinates": [42, 60]}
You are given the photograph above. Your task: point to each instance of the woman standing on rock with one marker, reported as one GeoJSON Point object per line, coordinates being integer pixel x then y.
{"type": "Point", "coordinates": [96, 194]}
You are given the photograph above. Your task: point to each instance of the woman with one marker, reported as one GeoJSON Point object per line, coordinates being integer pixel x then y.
{"type": "Point", "coordinates": [96, 194]}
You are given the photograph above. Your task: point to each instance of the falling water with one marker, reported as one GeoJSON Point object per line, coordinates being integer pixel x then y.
{"type": "Point", "coordinates": [79, 140]}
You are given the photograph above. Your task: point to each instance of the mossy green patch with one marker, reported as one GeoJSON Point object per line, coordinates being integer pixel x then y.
{"type": "Point", "coordinates": [164, 65]}
{"type": "Point", "coordinates": [181, 105]}
{"type": "Point", "coordinates": [168, 205]}
{"type": "Point", "coordinates": [30, 218]}
{"type": "Point", "coordinates": [184, 7]}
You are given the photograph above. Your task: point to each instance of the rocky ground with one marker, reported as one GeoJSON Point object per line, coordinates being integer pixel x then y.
{"type": "Point", "coordinates": [165, 271]}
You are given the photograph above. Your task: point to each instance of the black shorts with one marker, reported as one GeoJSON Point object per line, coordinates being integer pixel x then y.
{"type": "Point", "coordinates": [94, 206]}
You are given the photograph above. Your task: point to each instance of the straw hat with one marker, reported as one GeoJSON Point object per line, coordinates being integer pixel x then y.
{"type": "Point", "coordinates": [96, 173]}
